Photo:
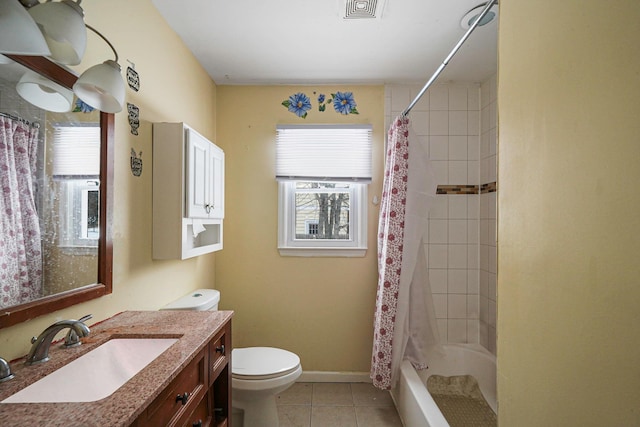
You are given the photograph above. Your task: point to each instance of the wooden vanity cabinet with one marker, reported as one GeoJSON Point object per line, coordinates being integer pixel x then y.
{"type": "Point", "coordinates": [200, 395]}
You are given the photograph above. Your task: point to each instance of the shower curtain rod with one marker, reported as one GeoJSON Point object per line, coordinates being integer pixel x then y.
{"type": "Point", "coordinates": [435, 75]}
{"type": "Point", "coordinates": [20, 119]}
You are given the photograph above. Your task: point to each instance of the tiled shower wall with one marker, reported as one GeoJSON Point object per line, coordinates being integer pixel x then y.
{"type": "Point", "coordinates": [488, 206]}
{"type": "Point", "coordinates": [449, 120]}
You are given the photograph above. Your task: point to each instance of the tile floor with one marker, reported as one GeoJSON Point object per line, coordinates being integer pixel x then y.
{"type": "Point", "coordinates": [336, 405]}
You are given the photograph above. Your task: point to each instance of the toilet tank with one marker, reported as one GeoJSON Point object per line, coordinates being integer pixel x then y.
{"type": "Point", "coordinates": [198, 300]}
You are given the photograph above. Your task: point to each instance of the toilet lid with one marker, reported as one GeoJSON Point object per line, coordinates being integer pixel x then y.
{"type": "Point", "coordinates": [263, 362]}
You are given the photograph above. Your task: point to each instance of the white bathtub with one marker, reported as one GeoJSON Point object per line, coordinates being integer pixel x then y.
{"type": "Point", "coordinates": [414, 403]}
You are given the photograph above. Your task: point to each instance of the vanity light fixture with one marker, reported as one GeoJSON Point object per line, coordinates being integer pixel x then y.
{"type": "Point", "coordinates": [62, 25]}
{"type": "Point", "coordinates": [44, 93]}
{"type": "Point", "coordinates": [60, 28]}
{"type": "Point", "coordinates": [102, 86]}
{"type": "Point", "coordinates": [19, 34]}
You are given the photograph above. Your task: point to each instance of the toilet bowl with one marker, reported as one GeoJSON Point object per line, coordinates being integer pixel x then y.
{"type": "Point", "coordinates": [258, 374]}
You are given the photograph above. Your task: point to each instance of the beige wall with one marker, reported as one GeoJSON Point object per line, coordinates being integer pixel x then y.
{"type": "Point", "coordinates": [173, 88]}
{"type": "Point", "coordinates": [568, 238]}
{"type": "Point", "coordinates": [320, 308]}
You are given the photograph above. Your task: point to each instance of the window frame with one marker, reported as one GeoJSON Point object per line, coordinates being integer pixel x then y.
{"type": "Point", "coordinates": [76, 169]}
{"type": "Point", "coordinates": [289, 245]}
{"type": "Point", "coordinates": [323, 153]}
{"type": "Point", "coordinates": [72, 225]}
{"type": "Point", "coordinates": [311, 227]}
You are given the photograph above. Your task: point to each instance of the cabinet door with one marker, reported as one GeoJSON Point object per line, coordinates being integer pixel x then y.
{"type": "Point", "coordinates": [217, 182]}
{"type": "Point", "coordinates": [181, 397]}
{"type": "Point", "coordinates": [198, 179]}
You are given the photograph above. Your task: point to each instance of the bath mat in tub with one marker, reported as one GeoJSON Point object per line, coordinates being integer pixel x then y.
{"type": "Point", "coordinates": [461, 402]}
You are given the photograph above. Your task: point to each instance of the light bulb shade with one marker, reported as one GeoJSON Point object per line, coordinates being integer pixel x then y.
{"type": "Point", "coordinates": [62, 25]}
{"type": "Point", "coordinates": [5, 60]}
{"type": "Point", "coordinates": [102, 87]}
{"type": "Point", "coordinates": [44, 93]}
{"type": "Point", "coordinates": [19, 34]}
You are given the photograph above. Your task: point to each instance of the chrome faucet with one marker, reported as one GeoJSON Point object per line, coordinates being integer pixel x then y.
{"type": "Point", "coordinates": [39, 352]}
{"type": "Point", "coordinates": [5, 370]}
{"type": "Point", "coordinates": [72, 339]}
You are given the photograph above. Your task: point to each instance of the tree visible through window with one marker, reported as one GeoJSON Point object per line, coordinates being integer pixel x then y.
{"type": "Point", "coordinates": [322, 173]}
{"type": "Point", "coordinates": [322, 210]}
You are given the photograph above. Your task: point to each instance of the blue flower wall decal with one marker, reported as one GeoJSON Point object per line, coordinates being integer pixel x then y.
{"type": "Point", "coordinates": [321, 104]}
{"type": "Point", "coordinates": [82, 107]}
{"type": "Point", "coordinates": [344, 103]}
{"type": "Point", "coordinates": [298, 104]}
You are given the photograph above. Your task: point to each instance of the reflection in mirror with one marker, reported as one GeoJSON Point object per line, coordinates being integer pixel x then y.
{"type": "Point", "coordinates": [55, 170]}
{"type": "Point", "coordinates": [69, 200]}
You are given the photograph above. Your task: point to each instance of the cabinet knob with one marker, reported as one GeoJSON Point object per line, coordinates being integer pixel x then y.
{"type": "Point", "coordinates": [183, 398]}
{"type": "Point", "coordinates": [220, 349]}
{"type": "Point", "coordinates": [197, 423]}
{"type": "Point", "coordinates": [208, 208]}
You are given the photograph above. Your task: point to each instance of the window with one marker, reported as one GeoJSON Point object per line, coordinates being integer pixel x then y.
{"type": "Point", "coordinates": [76, 169]}
{"type": "Point", "coordinates": [323, 172]}
{"type": "Point", "coordinates": [312, 228]}
{"type": "Point", "coordinates": [80, 209]}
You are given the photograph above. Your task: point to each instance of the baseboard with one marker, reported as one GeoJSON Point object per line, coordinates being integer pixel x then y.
{"type": "Point", "coordinates": [333, 377]}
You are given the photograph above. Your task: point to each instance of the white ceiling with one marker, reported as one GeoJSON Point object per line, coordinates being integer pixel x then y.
{"type": "Point", "coordinates": [309, 41]}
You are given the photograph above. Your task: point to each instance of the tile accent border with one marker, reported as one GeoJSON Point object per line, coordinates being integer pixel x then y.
{"type": "Point", "coordinates": [490, 187]}
{"type": "Point", "coordinates": [457, 189]}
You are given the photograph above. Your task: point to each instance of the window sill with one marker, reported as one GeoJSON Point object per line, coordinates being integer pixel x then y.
{"type": "Point", "coordinates": [323, 252]}
{"type": "Point", "coordinates": [79, 250]}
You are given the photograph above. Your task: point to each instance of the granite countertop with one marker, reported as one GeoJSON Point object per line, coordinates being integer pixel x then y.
{"type": "Point", "coordinates": [193, 328]}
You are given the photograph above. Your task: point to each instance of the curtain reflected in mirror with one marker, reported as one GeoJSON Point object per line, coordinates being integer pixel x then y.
{"type": "Point", "coordinates": [21, 267]}
{"type": "Point", "coordinates": [50, 180]}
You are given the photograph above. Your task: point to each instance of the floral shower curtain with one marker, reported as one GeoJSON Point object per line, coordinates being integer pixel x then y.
{"type": "Point", "coordinates": [20, 245]}
{"type": "Point", "coordinates": [404, 320]}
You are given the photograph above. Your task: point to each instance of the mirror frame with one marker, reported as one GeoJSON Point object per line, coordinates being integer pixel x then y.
{"type": "Point", "coordinates": [22, 312]}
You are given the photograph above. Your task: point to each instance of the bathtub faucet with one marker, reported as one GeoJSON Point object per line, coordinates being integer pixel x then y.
{"type": "Point", "coordinates": [39, 352]}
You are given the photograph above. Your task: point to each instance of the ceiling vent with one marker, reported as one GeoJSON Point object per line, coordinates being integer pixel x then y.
{"type": "Point", "coordinates": [363, 9]}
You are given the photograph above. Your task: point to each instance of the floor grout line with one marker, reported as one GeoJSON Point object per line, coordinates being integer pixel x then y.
{"type": "Point", "coordinates": [337, 405]}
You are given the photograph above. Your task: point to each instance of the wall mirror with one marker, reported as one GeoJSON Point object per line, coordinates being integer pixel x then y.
{"type": "Point", "coordinates": [56, 175]}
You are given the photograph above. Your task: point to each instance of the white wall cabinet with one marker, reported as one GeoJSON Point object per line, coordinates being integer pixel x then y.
{"type": "Point", "coordinates": [205, 177]}
{"type": "Point", "coordinates": [188, 192]}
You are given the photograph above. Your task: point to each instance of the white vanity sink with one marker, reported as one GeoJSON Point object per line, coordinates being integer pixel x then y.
{"type": "Point", "coordinates": [96, 374]}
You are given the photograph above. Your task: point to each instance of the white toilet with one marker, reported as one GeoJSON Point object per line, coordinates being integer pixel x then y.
{"type": "Point", "coordinates": [258, 373]}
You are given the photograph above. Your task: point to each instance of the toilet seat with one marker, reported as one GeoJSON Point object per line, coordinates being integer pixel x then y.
{"type": "Point", "coordinates": [262, 363]}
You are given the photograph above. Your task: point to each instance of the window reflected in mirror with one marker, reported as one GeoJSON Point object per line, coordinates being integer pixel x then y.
{"type": "Point", "coordinates": [52, 235]}
{"type": "Point", "coordinates": [71, 211]}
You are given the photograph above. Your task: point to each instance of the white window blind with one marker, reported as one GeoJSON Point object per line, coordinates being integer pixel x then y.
{"type": "Point", "coordinates": [76, 151]}
{"type": "Point", "coordinates": [323, 152]}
